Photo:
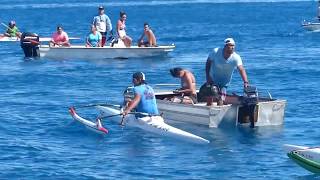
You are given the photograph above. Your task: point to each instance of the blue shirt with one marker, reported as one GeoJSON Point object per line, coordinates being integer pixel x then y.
{"type": "Point", "coordinates": [102, 23]}
{"type": "Point", "coordinates": [221, 69]}
{"type": "Point", "coordinates": [94, 39]}
{"type": "Point", "coordinates": [147, 102]}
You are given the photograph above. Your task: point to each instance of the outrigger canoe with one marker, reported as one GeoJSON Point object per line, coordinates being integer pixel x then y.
{"type": "Point", "coordinates": [306, 157]}
{"type": "Point", "coordinates": [153, 124]}
{"type": "Point", "coordinates": [82, 52]}
{"type": "Point", "coordinates": [93, 126]}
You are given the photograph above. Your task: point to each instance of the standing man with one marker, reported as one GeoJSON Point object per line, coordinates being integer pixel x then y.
{"type": "Point", "coordinates": [103, 24]}
{"type": "Point", "coordinates": [144, 99]}
{"type": "Point", "coordinates": [220, 65]}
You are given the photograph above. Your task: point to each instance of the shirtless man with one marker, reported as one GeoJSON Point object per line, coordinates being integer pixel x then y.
{"type": "Point", "coordinates": [187, 94]}
{"type": "Point", "coordinates": [151, 39]}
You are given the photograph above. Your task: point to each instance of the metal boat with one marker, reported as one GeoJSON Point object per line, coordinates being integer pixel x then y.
{"type": "Point", "coordinates": [82, 52]}
{"type": "Point", "coordinates": [265, 112]}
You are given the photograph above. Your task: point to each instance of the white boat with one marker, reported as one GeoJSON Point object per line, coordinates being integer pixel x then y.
{"type": "Point", "coordinates": [266, 112]}
{"type": "Point", "coordinates": [306, 157]}
{"type": "Point", "coordinates": [82, 52]}
{"type": "Point", "coordinates": [93, 126]}
{"type": "Point", "coordinates": [153, 124]}
{"type": "Point", "coordinates": [311, 26]}
{"type": "Point", "coordinates": [16, 39]}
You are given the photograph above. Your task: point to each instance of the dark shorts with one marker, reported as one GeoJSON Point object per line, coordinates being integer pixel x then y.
{"type": "Point", "coordinates": [103, 34]}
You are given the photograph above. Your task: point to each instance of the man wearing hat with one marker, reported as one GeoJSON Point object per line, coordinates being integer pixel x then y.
{"type": "Point", "coordinates": [103, 24]}
{"type": "Point", "coordinates": [144, 99]}
{"type": "Point", "coordinates": [220, 65]}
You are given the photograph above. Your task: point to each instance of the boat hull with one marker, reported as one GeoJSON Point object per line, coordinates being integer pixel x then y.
{"type": "Point", "coordinates": [265, 113]}
{"type": "Point", "coordinates": [82, 52]}
{"type": "Point", "coordinates": [154, 124]}
{"type": "Point", "coordinates": [306, 157]}
{"type": "Point", "coordinates": [311, 26]}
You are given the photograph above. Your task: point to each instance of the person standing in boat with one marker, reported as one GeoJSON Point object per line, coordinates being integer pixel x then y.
{"type": "Point", "coordinates": [151, 38]}
{"type": "Point", "coordinates": [187, 93]}
{"type": "Point", "coordinates": [12, 30]}
{"type": "Point", "coordinates": [59, 38]}
{"type": "Point", "coordinates": [220, 65]}
{"type": "Point", "coordinates": [94, 38]}
{"type": "Point", "coordinates": [144, 100]}
{"type": "Point", "coordinates": [103, 24]}
{"type": "Point", "coordinates": [121, 30]}
{"type": "Point", "coordinates": [318, 10]}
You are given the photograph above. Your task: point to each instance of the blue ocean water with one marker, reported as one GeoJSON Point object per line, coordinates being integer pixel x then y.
{"type": "Point", "coordinates": [39, 139]}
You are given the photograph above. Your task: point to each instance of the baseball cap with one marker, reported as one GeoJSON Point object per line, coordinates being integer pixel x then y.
{"type": "Point", "coordinates": [229, 41]}
{"type": "Point", "coordinates": [139, 75]}
{"type": "Point", "coordinates": [101, 7]}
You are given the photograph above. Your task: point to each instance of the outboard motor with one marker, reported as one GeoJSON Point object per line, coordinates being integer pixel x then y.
{"type": "Point", "coordinates": [30, 44]}
{"type": "Point", "coordinates": [250, 95]}
{"type": "Point", "coordinates": [249, 102]}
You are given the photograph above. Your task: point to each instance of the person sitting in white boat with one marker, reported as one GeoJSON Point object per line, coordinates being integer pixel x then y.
{"type": "Point", "coordinates": [151, 38]}
{"type": "Point", "coordinates": [59, 38]}
{"type": "Point", "coordinates": [220, 65]}
{"type": "Point", "coordinates": [12, 30]}
{"type": "Point", "coordinates": [121, 30]}
{"type": "Point", "coordinates": [94, 38]}
{"type": "Point", "coordinates": [103, 24]}
{"type": "Point", "coordinates": [144, 100]}
{"type": "Point", "coordinates": [187, 94]}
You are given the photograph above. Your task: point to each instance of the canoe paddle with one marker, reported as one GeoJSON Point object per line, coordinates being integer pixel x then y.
{"type": "Point", "coordinates": [99, 104]}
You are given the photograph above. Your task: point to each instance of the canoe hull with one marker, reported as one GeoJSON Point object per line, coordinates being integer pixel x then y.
{"type": "Point", "coordinates": [306, 157]}
{"type": "Point", "coordinates": [154, 124]}
{"type": "Point", "coordinates": [82, 52]}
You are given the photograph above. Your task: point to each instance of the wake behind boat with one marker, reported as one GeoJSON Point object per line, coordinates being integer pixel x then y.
{"type": "Point", "coordinates": [82, 52]}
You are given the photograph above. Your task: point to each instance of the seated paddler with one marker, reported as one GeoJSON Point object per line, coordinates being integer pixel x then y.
{"type": "Point", "coordinates": [187, 94]}
{"type": "Point", "coordinates": [144, 100]}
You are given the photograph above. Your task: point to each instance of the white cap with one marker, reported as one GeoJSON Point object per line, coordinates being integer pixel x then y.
{"type": "Point", "coordinates": [229, 41]}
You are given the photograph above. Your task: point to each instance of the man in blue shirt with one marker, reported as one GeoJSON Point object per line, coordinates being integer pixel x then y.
{"type": "Point", "coordinates": [103, 24]}
{"type": "Point", "coordinates": [220, 65]}
{"type": "Point", "coordinates": [144, 99]}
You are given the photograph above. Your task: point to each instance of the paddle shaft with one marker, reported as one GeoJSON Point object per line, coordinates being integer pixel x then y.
{"type": "Point", "coordinates": [98, 104]}
{"type": "Point", "coordinates": [6, 26]}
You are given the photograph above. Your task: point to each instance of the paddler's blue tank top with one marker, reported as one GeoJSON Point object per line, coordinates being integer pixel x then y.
{"type": "Point", "coordinates": [148, 102]}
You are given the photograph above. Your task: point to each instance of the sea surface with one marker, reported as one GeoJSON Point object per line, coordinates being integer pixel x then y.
{"type": "Point", "coordinates": [39, 139]}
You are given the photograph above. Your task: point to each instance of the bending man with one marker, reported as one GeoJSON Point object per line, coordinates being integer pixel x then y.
{"type": "Point", "coordinates": [220, 65]}
{"type": "Point", "coordinates": [187, 92]}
